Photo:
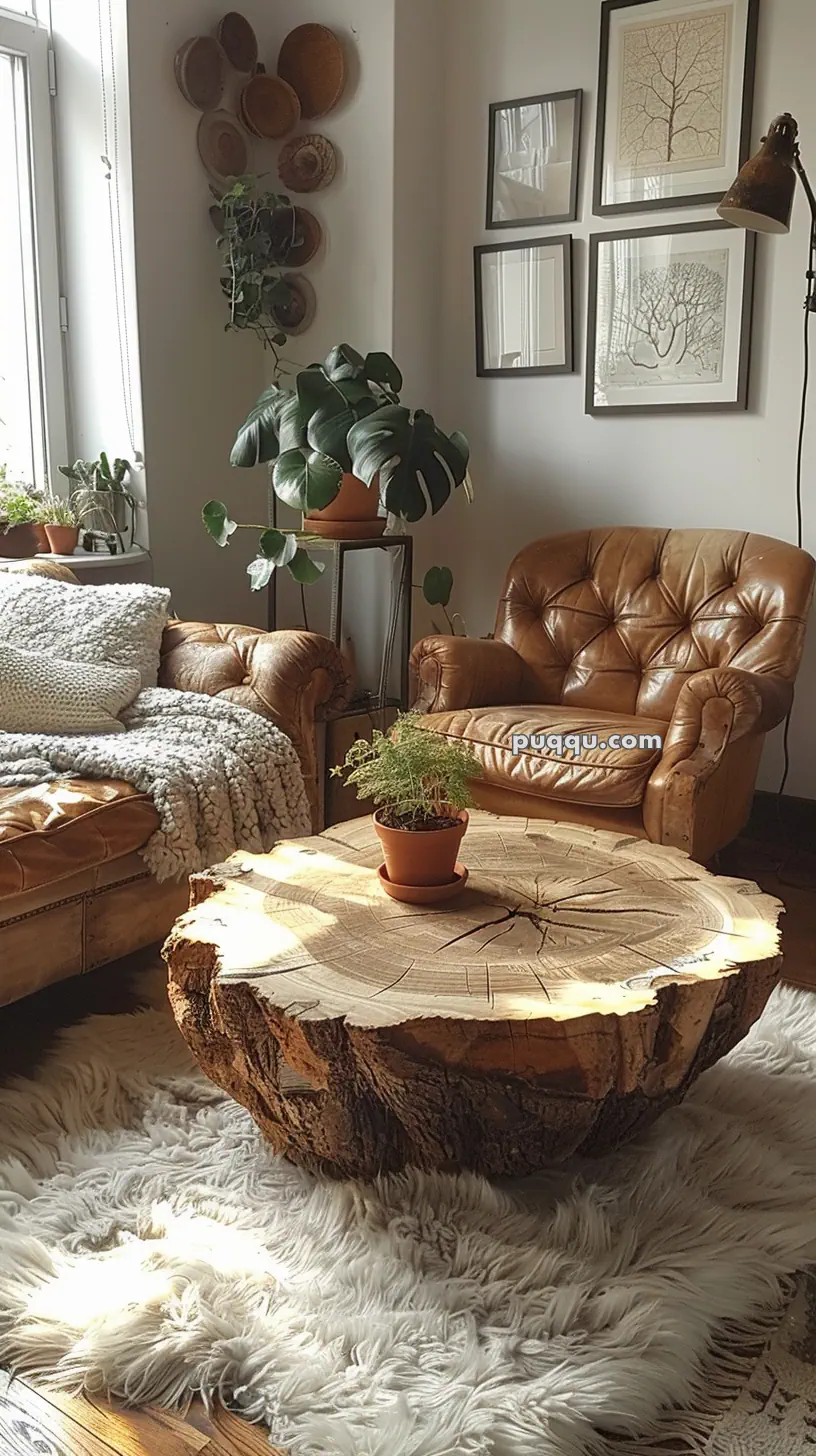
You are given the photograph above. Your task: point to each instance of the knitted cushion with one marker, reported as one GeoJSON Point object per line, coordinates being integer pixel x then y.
{"type": "Point", "coordinates": [121, 626]}
{"type": "Point", "coordinates": [50, 695]}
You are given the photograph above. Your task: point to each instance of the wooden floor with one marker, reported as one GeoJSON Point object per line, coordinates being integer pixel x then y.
{"type": "Point", "coordinates": [775, 851]}
{"type": "Point", "coordinates": [35, 1423]}
{"type": "Point", "coordinates": [778, 850]}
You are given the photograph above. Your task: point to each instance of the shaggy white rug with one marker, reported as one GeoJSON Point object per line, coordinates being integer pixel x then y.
{"type": "Point", "coordinates": [151, 1247]}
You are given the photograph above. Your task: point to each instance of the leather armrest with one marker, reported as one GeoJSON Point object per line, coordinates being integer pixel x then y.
{"type": "Point", "coordinates": [716, 709]}
{"type": "Point", "coordinates": [719, 706]}
{"type": "Point", "coordinates": [466, 672]}
{"type": "Point", "coordinates": [294, 679]}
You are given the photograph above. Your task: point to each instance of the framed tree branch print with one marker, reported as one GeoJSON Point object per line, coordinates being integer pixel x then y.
{"type": "Point", "coordinates": [670, 319]}
{"type": "Point", "coordinates": [675, 96]}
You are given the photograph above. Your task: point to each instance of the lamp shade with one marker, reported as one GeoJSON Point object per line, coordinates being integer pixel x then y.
{"type": "Point", "coordinates": [761, 198]}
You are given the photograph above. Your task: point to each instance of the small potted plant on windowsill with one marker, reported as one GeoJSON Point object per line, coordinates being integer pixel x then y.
{"type": "Point", "coordinates": [100, 498]}
{"type": "Point", "coordinates": [420, 782]}
{"type": "Point", "coordinates": [61, 525]}
{"type": "Point", "coordinates": [18, 516]}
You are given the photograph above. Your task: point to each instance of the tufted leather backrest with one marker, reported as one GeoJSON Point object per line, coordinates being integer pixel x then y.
{"type": "Point", "coordinates": [618, 618]}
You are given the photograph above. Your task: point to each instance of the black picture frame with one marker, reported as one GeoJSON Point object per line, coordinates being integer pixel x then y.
{"type": "Point", "coordinates": [749, 241]}
{"type": "Point", "coordinates": [700, 199]}
{"type": "Point", "coordinates": [560, 240]}
{"type": "Point", "coordinates": [571, 215]}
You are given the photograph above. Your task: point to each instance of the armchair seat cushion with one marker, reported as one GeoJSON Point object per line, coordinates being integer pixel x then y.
{"type": "Point", "coordinates": [611, 777]}
{"type": "Point", "coordinates": [60, 829]}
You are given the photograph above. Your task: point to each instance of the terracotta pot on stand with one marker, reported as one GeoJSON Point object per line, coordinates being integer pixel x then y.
{"type": "Point", "coordinates": [423, 862]}
{"type": "Point", "coordinates": [353, 514]}
{"type": "Point", "coordinates": [62, 539]}
{"type": "Point", "coordinates": [20, 542]}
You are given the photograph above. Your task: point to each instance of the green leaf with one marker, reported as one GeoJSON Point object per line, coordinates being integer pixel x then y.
{"type": "Point", "coordinates": [437, 588]}
{"type": "Point", "coordinates": [260, 573]}
{"type": "Point", "coordinates": [306, 480]}
{"type": "Point", "coordinates": [277, 548]}
{"type": "Point", "coordinates": [316, 391]}
{"type": "Point", "coordinates": [218, 522]}
{"type": "Point", "coordinates": [344, 363]}
{"type": "Point", "coordinates": [461, 443]}
{"type": "Point", "coordinates": [417, 463]}
{"type": "Point", "coordinates": [332, 409]}
{"type": "Point", "coordinates": [291, 425]}
{"type": "Point", "coordinates": [381, 369]}
{"type": "Point", "coordinates": [258, 438]}
{"type": "Point", "coordinates": [304, 569]}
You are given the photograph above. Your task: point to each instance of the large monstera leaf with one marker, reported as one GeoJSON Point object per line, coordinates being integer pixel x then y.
{"type": "Point", "coordinates": [306, 480]}
{"type": "Point", "coordinates": [274, 426]}
{"type": "Point", "coordinates": [332, 408]}
{"type": "Point", "coordinates": [417, 464]}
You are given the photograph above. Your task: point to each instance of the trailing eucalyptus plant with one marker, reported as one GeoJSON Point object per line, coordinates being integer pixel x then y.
{"type": "Point", "coordinates": [343, 416]}
{"type": "Point", "coordinates": [258, 231]}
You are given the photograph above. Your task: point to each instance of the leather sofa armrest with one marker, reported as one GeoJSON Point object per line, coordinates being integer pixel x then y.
{"type": "Point", "coordinates": [715, 710]}
{"type": "Point", "coordinates": [466, 672]}
{"type": "Point", "coordinates": [295, 679]}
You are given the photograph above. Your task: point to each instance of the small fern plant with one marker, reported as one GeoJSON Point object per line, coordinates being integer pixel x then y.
{"type": "Point", "coordinates": [418, 779]}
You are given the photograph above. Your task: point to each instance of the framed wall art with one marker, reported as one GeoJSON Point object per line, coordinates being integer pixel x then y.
{"type": "Point", "coordinates": [532, 168]}
{"type": "Point", "coordinates": [524, 307]}
{"type": "Point", "coordinates": [675, 95]}
{"type": "Point", "coordinates": [670, 319]}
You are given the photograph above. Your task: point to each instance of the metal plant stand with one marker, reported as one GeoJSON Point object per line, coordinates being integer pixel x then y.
{"type": "Point", "coordinates": [399, 614]}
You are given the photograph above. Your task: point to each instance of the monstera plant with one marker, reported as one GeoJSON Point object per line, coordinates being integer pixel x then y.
{"type": "Point", "coordinates": [343, 422]}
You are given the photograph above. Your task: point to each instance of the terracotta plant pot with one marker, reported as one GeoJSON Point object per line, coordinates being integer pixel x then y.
{"type": "Point", "coordinates": [20, 542]}
{"type": "Point", "coordinates": [352, 516]}
{"type": "Point", "coordinates": [62, 539]}
{"type": "Point", "coordinates": [42, 538]}
{"type": "Point", "coordinates": [423, 856]}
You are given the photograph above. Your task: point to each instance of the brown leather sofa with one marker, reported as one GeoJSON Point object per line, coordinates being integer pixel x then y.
{"type": "Point", "coordinates": [74, 890]}
{"type": "Point", "coordinates": [692, 637]}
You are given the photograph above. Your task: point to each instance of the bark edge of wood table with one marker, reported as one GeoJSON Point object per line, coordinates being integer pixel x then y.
{"type": "Point", "coordinates": [576, 989]}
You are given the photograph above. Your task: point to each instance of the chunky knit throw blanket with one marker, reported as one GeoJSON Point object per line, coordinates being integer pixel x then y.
{"type": "Point", "coordinates": [222, 778]}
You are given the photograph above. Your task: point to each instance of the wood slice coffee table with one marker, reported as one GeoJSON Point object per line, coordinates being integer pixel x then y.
{"type": "Point", "coordinates": [575, 989]}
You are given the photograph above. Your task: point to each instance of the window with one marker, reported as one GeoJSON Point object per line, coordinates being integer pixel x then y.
{"type": "Point", "coordinates": [32, 399]}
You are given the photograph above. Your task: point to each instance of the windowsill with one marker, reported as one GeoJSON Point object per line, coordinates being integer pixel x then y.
{"type": "Point", "coordinates": [88, 559]}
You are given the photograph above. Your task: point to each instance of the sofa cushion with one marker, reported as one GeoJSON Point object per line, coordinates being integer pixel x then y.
{"type": "Point", "coordinates": [611, 777]}
{"type": "Point", "coordinates": [59, 829]}
{"type": "Point", "coordinates": [52, 695]}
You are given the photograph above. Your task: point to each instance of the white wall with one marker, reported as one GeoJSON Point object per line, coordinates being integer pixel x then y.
{"type": "Point", "coordinates": [540, 464]}
{"type": "Point", "coordinates": [354, 274]}
{"type": "Point", "coordinates": [198, 382]}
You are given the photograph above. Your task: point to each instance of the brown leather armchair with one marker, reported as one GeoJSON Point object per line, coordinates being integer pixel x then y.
{"type": "Point", "coordinates": [75, 892]}
{"type": "Point", "coordinates": [689, 641]}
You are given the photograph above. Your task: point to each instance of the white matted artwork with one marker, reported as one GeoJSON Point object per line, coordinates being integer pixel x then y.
{"type": "Point", "coordinates": [524, 307]}
{"type": "Point", "coordinates": [675, 101]}
{"type": "Point", "coordinates": [670, 319]}
{"type": "Point", "coordinates": [532, 170]}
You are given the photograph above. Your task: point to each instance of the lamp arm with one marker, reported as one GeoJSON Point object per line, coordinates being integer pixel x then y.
{"type": "Point", "coordinates": [805, 181]}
